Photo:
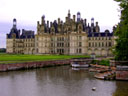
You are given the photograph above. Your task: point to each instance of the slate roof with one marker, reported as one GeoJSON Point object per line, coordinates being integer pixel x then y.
{"type": "Point", "coordinates": [102, 34]}
{"type": "Point", "coordinates": [25, 34]}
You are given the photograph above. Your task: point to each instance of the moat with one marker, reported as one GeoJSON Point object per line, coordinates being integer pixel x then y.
{"type": "Point", "coordinates": [58, 81]}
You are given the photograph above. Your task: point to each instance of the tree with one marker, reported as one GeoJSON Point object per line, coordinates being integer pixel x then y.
{"type": "Point", "coordinates": [121, 48]}
{"type": "Point", "coordinates": [2, 50]}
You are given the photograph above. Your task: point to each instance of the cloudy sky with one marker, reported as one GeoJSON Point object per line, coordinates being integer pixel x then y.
{"type": "Point", "coordinates": [28, 12]}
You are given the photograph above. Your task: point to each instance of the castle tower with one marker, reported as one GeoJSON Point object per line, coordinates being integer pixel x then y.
{"type": "Point", "coordinates": [78, 16]}
{"type": "Point", "coordinates": [92, 22]}
{"type": "Point", "coordinates": [92, 25]}
{"type": "Point", "coordinates": [43, 20]}
{"type": "Point", "coordinates": [85, 22]}
{"type": "Point", "coordinates": [14, 23]}
{"type": "Point", "coordinates": [97, 28]}
{"type": "Point", "coordinates": [69, 15]}
{"type": "Point", "coordinates": [74, 18]}
{"type": "Point", "coordinates": [48, 26]}
{"type": "Point", "coordinates": [59, 21]}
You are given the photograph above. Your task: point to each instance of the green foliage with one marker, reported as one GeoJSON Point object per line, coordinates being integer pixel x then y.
{"type": "Point", "coordinates": [104, 62]}
{"type": "Point", "coordinates": [94, 61]}
{"type": "Point", "coordinates": [121, 48]}
{"type": "Point", "coordinates": [2, 50]}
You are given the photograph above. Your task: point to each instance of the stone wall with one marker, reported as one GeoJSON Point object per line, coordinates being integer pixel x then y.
{"type": "Point", "coordinates": [121, 69]}
{"type": "Point", "coordinates": [121, 75]}
{"type": "Point", "coordinates": [28, 65]}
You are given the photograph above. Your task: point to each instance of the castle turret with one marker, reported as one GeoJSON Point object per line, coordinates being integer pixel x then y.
{"type": "Point", "coordinates": [92, 24]}
{"type": "Point", "coordinates": [85, 22]}
{"type": "Point", "coordinates": [78, 16]}
{"type": "Point", "coordinates": [58, 21]}
{"type": "Point", "coordinates": [74, 18]}
{"type": "Point", "coordinates": [43, 20]}
{"type": "Point", "coordinates": [14, 23]}
{"type": "Point", "coordinates": [14, 32]}
{"type": "Point", "coordinates": [97, 28]}
{"type": "Point", "coordinates": [48, 24]}
{"type": "Point", "coordinates": [69, 15]}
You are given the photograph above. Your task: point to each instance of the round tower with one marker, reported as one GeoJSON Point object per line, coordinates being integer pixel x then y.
{"type": "Point", "coordinates": [78, 16]}
{"type": "Point", "coordinates": [92, 22]}
{"type": "Point", "coordinates": [14, 23]}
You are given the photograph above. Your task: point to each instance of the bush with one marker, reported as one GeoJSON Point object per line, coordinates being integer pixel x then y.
{"type": "Point", "coordinates": [104, 62]}
{"type": "Point", "coordinates": [94, 62]}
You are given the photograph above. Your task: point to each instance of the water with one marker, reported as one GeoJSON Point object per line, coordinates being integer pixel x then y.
{"type": "Point", "coordinates": [58, 81]}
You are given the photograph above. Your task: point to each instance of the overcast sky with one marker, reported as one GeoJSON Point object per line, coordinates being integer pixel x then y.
{"type": "Point", "coordinates": [28, 12]}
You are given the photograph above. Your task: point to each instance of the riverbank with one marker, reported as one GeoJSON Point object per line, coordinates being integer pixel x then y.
{"type": "Point", "coordinates": [103, 72]}
{"type": "Point", "coordinates": [35, 64]}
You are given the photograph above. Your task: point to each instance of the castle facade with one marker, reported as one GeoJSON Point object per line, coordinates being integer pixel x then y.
{"type": "Point", "coordinates": [72, 37]}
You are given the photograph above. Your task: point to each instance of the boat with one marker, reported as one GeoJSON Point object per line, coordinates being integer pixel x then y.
{"type": "Point", "coordinates": [79, 63]}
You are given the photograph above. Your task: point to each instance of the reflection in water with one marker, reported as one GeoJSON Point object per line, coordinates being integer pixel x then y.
{"type": "Point", "coordinates": [55, 81]}
{"type": "Point", "coordinates": [122, 89]}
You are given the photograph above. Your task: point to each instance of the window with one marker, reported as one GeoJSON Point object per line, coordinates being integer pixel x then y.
{"type": "Point", "coordinates": [89, 44]}
{"type": "Point", "coordinates": [92, 44]}
{"type": "Point", "coordinates": [99, 44]}
{"type": "Point", "coordinates": [106, 44]}
{"type": "Point", "coordinates": [80, 51]}
{"type": "Point", "coordinates": [95, 44]}
{"type": "Point", "coordinates": [110, 44]}
{"type": "Point", "coordinates": [80, 44]}
{"type": "Point", "coordinates": [102, 44]}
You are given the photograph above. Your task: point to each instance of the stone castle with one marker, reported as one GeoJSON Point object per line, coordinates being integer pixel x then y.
{"type": "Point", "coordinates": [72, 37]}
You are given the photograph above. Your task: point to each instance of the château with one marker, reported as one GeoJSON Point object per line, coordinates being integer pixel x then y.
{"type": "Point", "coordinates": [73, 37]}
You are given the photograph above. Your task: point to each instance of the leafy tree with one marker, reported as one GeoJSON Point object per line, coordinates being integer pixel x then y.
{"type": "Point", "coordinates": [2, 50]}
{"type": "Point", "coordinates": [121, 48]}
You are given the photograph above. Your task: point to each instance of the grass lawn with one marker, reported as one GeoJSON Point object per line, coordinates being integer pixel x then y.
{"type": "Point", "coordinates": [14, 58]}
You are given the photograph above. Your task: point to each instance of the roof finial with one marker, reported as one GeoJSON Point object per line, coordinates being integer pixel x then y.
{"type": "Point", "coordinates": [69, 11]}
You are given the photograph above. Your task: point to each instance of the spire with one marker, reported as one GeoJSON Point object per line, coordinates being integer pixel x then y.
{"type": "Point", "coordinates": [68, 11]}
{"type": "Point", "coordinates": [69, 14]}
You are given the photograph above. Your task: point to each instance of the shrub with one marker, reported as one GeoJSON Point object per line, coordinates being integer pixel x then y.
{"type": "Point", "coordinates": [104, 62]}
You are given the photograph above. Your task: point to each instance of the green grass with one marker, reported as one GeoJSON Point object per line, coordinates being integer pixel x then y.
{"type": "Point", "coordinates": [14, 58]}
